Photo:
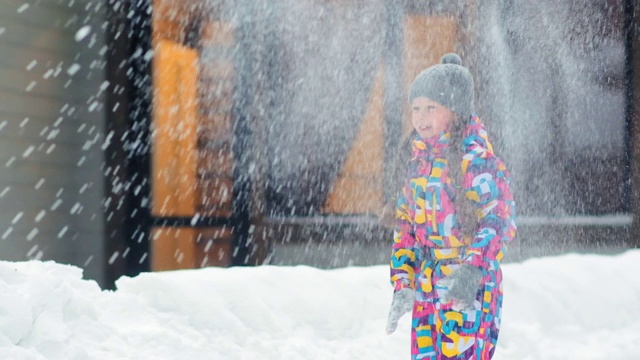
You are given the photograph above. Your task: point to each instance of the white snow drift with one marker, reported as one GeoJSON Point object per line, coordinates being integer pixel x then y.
{"type": "Point", "coordinates": [565, 307]}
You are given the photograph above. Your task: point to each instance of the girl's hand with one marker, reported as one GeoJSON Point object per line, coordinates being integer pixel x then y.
{"type": "Point", "coordinates": [463, 286]}
{"type": "Point", "coordinates": [401, 304]}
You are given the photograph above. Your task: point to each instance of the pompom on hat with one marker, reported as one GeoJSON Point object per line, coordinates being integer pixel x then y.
{"type": "Point", "coordinates": [448, 83]}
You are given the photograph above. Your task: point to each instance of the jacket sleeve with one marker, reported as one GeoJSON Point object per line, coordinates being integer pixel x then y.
{"type": "Point", "coordinates": [403, 254]}
{"type": "Point", "coordinates": [487, 186]}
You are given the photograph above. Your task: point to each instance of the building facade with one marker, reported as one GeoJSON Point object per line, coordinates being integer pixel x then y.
{"type": "Point", "coordinates": [159, 135]}
{"type": "Point", "coordinates": [53, 58]}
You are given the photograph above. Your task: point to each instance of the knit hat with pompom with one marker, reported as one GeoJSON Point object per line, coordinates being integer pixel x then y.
{"type": "Point", "coordinates": [448, 83]}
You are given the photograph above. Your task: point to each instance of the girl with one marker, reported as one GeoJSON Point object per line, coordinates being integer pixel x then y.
{"type": "Point", "coordinates": [454, 217]}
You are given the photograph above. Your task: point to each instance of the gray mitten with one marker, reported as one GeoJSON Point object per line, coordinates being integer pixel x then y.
{"type": "Point", "coordinates": [401, 304]}
{"type": "Point", "coordinates": [463, 286]}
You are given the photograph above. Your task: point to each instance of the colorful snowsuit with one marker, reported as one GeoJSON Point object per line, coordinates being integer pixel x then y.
{"type": "Point", "coordinates": [428, 245]}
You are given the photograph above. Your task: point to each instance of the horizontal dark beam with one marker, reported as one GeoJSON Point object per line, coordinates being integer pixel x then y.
{"type": "Point", "coordinates": [186, 221]}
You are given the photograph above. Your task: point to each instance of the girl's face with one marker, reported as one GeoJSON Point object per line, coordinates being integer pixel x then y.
{"type": "Point", "coordinates": [429, 118]}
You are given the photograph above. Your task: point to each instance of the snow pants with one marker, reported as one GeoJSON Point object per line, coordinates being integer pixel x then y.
{"type": "Point", "coordinates": [440, 332]}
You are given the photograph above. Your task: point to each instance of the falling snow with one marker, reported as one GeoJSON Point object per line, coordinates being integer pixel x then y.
{"type": "Point", "coordinates": [551, 86]}
{"type": "Point", "coordinates": [82, 32]}
{"type": "Point", "coordinates": [73, 69]}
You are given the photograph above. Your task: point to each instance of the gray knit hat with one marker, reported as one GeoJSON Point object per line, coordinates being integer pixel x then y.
{"type": "Point", "coordinates": [448, 83]}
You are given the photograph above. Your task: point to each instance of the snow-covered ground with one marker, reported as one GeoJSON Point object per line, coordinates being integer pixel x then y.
{"type": "Point", "coordinates": [565, 307]}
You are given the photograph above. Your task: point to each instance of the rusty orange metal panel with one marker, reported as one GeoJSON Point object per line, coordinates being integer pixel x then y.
{"type": "Point", "coordinates": [188, 248]}
{"type": "Point", "coordinates": [173, 20]}
{"type": "Point", "coordinates": [173, 248]}
{"type": "Point", "coordinates": [174, 139]}
{"type": "Point", "coordinates": [358, 189]}
{"type": "Point", "coordinates": [167, 20]}
{"type": "Point", "coordinates": [214, 247]}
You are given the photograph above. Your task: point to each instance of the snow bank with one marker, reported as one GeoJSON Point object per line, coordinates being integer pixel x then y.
{"type": "Point", "coordinates": [572, 306]}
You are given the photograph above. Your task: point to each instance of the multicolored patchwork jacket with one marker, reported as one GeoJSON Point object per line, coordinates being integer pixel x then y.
{"type": "Point", "coordinates": [426, 215]}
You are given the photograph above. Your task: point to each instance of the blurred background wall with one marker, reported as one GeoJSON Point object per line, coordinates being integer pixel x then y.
{"type": "Point", "coordinates": [52, 120]}
{"type": "Point", "coordinates": [158, 135]}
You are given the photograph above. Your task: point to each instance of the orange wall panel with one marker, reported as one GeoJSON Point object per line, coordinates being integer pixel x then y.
{"type": "Point", "coordinates": [173, 248]}
{"type": "Point", "coordinates": [426, 39]}
{"type": "Point", "coordinates": [214, 247]}
{"type": "Point", "coordinates": [174, 139]}
{"type": "Point", "coordinates": [358, 189]}
{"type": "Point", "coordinates": [188, 248]}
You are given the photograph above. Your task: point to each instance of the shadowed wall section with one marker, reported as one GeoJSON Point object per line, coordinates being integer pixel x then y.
{"type": "Point", "coordinates": [193, 132]}
{"type": "Point", "coordinates": [327, 60]}
{"type": "Point", "coordinates": [359, 187]}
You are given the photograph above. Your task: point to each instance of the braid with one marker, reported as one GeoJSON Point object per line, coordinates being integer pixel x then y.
{"type": "Point", "coordinates": [465, 211]}
{"type": "Point", "coordinates": [464, 208]}
{"type": "Point", "coordinates": [398, 176]}
{"type": "Point", "coordinates": [401, 163]}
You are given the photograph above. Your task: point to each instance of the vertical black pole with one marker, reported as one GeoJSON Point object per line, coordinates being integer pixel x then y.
{"type": "Point", "coordinates": [630, 36]}
{"type": "Point", "coordinates": [139, 141]}
{"type": "Point", "coordinates": [632, 115]}
{"type": "Point", "coordinates": [241, 219]}
{"type": "Point", "coordinates": [393, 89]}
{"type": "Point", "coordinates": [127, 152]}
{"type": "Point", "coordinates": [117, 103]}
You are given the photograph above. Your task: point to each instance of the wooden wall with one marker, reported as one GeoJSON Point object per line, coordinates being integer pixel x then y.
{"type": "Point", "coordinates": [359, 188]}
{"type": "Point", "coordinates": [52, 120]}
{"type": "Point", "coordinates": [193, 132]}
{"type": "Point", "coordinates": [192, 168]}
